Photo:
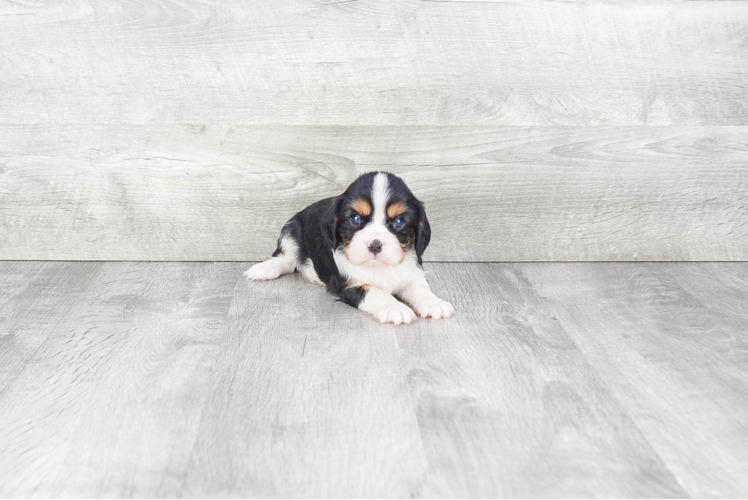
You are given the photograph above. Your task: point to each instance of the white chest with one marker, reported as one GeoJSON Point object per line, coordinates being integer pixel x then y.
{"type": "Point", "coordinates": [391, 279]}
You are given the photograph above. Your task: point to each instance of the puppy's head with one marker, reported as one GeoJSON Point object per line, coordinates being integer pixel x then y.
{"type": "Point", "coordinates": [377, 221]}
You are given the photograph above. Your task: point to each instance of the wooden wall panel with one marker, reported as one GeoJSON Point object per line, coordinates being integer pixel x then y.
{"type": "Point", "coordinates": [374, 62]}
{"type": "Point", "coordinates": [545, 130]}
{"type": "Point", "coordinates": [187, 192]}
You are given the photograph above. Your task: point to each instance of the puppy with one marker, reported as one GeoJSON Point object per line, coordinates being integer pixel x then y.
{"type": "Point", "coordinates": [365, 246]}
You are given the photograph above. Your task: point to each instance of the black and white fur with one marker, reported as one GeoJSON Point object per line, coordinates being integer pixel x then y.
{"type": "Point", "coordinates": [365, 246]}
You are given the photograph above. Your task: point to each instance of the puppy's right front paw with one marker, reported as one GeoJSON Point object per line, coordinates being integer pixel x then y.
{"type": "Point", "coordinates": [396, 313]}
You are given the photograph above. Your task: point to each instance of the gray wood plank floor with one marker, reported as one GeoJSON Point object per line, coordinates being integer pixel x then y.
{"type": "Point", "coordinates": [556, 379]}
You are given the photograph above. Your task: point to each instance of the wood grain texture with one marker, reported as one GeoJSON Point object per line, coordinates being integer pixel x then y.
{"type": "Point", "coordinates": [109, 404]}
{"type": "Point", "coordinates": [669, 343]}
{"type": "Point", "coordinates": [33, 296]}
{"type": "Point", "coordinates": [307, 401]}
{"type": "Point", "coordinates": [507, 406]}
{"type": "Point", "coordinates": [184, 380]}
{"type": "Point", "coordinates": [373, 62]}
{"type": "Point", "coordinates": [546, 130]}
{"type": "Point", "coordinates": [183, 192]}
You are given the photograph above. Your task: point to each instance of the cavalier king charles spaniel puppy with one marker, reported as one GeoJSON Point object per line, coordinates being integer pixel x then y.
{"type": "Point", "coordinates": [364, 246]}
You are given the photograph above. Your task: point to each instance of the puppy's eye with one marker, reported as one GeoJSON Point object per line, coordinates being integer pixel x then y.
{"type": "Point", "coordinates": [398, 223]}
{"type": "Point", "coordinates": [355, 219]}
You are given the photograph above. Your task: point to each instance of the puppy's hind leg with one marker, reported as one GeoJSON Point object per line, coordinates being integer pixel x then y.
{"type": "Point", "coordinates": [283, 261]}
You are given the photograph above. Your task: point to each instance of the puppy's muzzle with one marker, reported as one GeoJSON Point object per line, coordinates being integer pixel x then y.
{"type": "Point", "coordinates": [375, 247]}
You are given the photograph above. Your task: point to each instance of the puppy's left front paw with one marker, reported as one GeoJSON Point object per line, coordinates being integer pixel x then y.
{"type": "Point", "coordinates": [434, 307]}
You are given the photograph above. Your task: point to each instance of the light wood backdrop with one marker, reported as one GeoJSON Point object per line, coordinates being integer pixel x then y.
{"type": "Point", "coordinates": [543, 130]}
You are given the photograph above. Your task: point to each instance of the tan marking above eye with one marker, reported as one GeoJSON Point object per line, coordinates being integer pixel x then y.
{"type": "Point", "coordinates": [362, 207]}
{"type": "Point", "coordinates": [396, 209]}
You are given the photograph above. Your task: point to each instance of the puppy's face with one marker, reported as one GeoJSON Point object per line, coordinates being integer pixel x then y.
{"type": "Point", "coordinates": [377, 221]}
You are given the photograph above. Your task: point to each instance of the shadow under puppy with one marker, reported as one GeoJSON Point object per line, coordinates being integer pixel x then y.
{"type": "Point", "coordinates": [365, 246]}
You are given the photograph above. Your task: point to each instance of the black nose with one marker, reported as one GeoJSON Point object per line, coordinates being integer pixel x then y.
{"type": "Point", "coordinates": [375, 247]}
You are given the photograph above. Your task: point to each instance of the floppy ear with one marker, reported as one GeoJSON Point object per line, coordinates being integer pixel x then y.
{"type": "Point", "coordinates": [329, 224]}
{"type": "Point", "coordinates": [423, 231]}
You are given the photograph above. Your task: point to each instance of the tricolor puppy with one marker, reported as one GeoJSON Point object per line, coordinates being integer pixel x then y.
{"type": "Point", "coordinates": [365, 246]}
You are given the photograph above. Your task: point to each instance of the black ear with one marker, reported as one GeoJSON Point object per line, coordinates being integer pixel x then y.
{"type": "Point", "coordinates": [423, 231]}
{"type": "Point", "coordinates": [329, 224]}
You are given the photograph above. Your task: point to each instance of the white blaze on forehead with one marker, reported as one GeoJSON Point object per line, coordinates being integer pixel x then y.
{"type": "Point", "coordinates": [380, 194]}
{"type": "Point", "coordinates": [391, 253]}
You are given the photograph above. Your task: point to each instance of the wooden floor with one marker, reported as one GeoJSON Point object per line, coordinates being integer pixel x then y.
{"type": "Point", "coordinates": [183, 379]}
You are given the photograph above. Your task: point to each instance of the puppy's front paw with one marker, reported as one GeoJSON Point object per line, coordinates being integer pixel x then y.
{"type": "Point", "coordinates": [395, 312]}
{"type": "Point", "coordinates": [434, 307]}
